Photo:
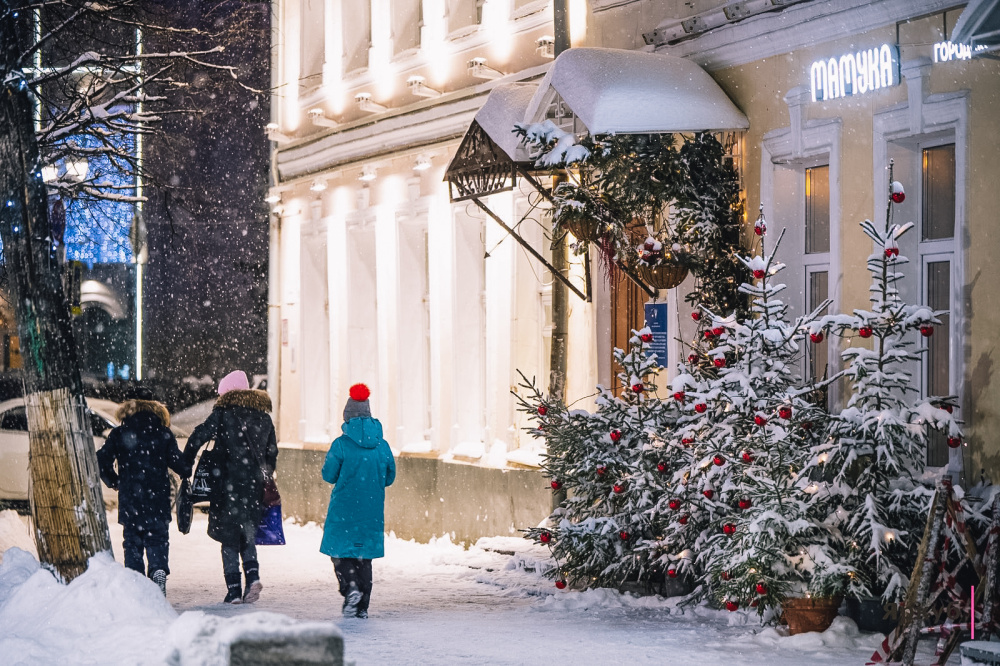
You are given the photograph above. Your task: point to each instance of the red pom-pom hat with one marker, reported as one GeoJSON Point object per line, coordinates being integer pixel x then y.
{"type": "Point", "coordinates": [360, 392]}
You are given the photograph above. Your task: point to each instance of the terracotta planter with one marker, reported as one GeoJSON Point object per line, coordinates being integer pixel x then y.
{"type": "Point", "coordinates": [665, 276]}
{"type": "Point", "coordinates": [810, 614]}
{"type": "Point", "coordinates": [582, 230]}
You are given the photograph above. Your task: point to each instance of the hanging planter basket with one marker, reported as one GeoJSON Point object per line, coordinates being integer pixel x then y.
{"type": "Point", "coordinates": [583, 230]}
{"type": "Point", "coordinates": [665, 275]}
{"type": "Point", "coordinates": [810, 614]}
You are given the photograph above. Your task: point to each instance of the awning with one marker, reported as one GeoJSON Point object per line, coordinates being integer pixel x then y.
{"type": "Point", "coordinates": [979, 26]}
{"type": "Point", "coordinates": [613, 91]}
{"type": "Point", "coordinates": [506, 106]}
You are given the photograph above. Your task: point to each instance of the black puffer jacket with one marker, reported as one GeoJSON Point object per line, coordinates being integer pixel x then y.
{"type": "Point", "coordinates": [143, 448]}
{"type": "Point", "coordinates": [239, 421]}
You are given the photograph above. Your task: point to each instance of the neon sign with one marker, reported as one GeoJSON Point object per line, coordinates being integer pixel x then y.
{"type": "Point", "coordinates": [945, 51]}
{"type": "Point", "coordinates": [855, 73]}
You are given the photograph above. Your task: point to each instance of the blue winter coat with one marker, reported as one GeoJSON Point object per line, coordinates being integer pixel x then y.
{"type": "Point", "coordinates": [360, 465]}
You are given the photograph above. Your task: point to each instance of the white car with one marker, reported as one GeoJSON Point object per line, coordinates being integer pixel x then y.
{"type": "Point", "coordinates": [14, 446]}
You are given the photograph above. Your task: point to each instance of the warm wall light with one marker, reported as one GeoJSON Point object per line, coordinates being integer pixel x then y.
{"type": "Point", "coordinates": [366, 104]}
{"type": "Point", "coordinates": [546, 47]}
{"type": "Point", "coordinates": [417, 87]}
{"type": "Point", "coordinates": [274, 133]}
{"type": "Point", "coordinates": [77, 169]}
{"type": "Point", "coordinates": [318, 185]}
{"type": "Point", "coordinates": [480, 70]}
{"type": "Point", "coordinates": [318, 118]}
{"type": "Point", "coordinates": [422, 163]}
{"type": "Point", "coordinates": [368, 174]}
{"type": "Point", "coordinates": [272, 198]}
{"type": "Point", "coordinates": [49, 173]}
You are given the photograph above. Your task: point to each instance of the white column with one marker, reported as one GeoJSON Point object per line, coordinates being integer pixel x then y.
{"type": "Point", "coordinates": [500, 329]}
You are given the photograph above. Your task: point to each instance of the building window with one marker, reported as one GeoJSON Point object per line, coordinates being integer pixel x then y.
{"type": "Point", "coordinates": [357, 34]}
{"type": "Point", "coordinates": [818, 210]}
{"type": "Point", "coordinates": [463, 14]}
{"type": "Point", "coordinates": [938, 219]}
{"type": "Point", "coordinates": [817, 258]}
{"type": "Point", "coordinates": [407, 20]}
{"type": "Point", "coordinates": [311, 43]}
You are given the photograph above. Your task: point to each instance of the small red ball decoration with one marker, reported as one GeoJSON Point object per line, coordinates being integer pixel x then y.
{"type": "Point", "coordinates": [785, 412]}
{"type": "Point", "coordinates": [760, 228]}
{"type": "Point", "coordinates": [679, 396]}
{"type": "Point", "coordinates": [696, 315]}
{"type": "Point", "coordinates": [760, 420]}
{"type": "Point", "coordinates": [719, 460]}
{"type": "Point", "coordinates": [623, 535]}
{"type": "Point", "coordinates": [747, 457]}
{"type": "Point", "coordinates": [545, 537]}
{"type": "Point", "coordinates": [692, 359]}
{"type": "Point", "coordinates": [754, 603]}
{"type": "Point", "coordinates": [542, 410]}
{"type": "Point", "coordinates": [602, 470]}
{"type": "Point", "coordinates": [561, 584]}
{"type": "Point", "coordinates": [719, 362]}
{"type": "Point", "coordinates": [927, 331]}
{"type": "Point", "coordinates": [732, 605]}
{"type": "Point", "coordinates": [761, 588]}
{"type": "Point", "coordinates": [865, 331]}
{"type": "Point", "coordinates": [954, 442]}
{"type": "Point", "coordinates": [896, 192]}
{"type": "Point", "coordinates": [718, 330]}
{"type": "Point", "coordinates": [807, 425]}
{"type": "Point", "coordinates": [892, 252]}
{"type": "Point", "coordinates": [708, 492]}
{"type": "Point", "coordinates": [556, 484]}
{"type": "Point", "coordinates": [948, 408]}
{"type": "Point", "coordinates": [729, 528]}
{"type": "Point", "coordinates": [661, 468]}
{"type": "Point", "coordinates": [683, 520]}
{"type": "Point", "coordinates": [687, 441]}
{"type": "Point", "coordinates": [615, 435]}
{"type": "Point", "coordinates": [700, 407]}
{"type": "Point", "coordinates": [646, 337]}
{"type": "Point", "coordinates": [674, 504]}
{"type": "Point", "coordinates": [708, 334]}
{"type": "Point", "coordinates": [619, 488]}
{"type": "Point", "coordinates": [725, 575]}
{"type": "Point", "coordinates": [744, 503]}
{"type": "Point", "coordinates": [638, 388]}
{"type": "Point", "coordinates": [672, 573]}
{"type": "Point", "coordinates": [817, 337]}
{"type": "Point", "coordinates": [758, 274]}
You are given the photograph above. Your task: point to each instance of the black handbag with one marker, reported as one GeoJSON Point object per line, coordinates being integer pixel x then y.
{"type": "Point", "coordinates": [206, 474]}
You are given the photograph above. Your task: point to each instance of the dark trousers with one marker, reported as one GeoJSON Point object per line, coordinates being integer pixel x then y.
{"type": "Point", "coordinates": [351, 571]}
{"type": "Point", "coordinates": [153, 540]}
{"type": "Point", "coordinates": [232, 553]}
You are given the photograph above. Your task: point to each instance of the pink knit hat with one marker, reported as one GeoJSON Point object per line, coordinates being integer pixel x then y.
{"type": "Point", "coordinates": [234, 381]}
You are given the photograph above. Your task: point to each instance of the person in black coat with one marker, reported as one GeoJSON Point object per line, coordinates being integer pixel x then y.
{"type": "Point", "coordinates": [243, 432]}
{"type": "Point", "coordinates": [142, 448]}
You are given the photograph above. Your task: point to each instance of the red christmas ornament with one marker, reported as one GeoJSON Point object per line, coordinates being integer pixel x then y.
{"type": "Point", "coordinates": [674, 504]}
{"type": "Point", "coordinates": [623, 535]}
{"type": "Point", "coordinates": [744, 503]}
{"type": "Point", "coordinates": [541, 427]}
{"type": "Point", "coordinates": [954, 442]}
{"type": "Point", "coordinates": [359, 392]}
{"type": "Point", "coordinates": [732, 605]}
{"type": "Point", "coordinates": [661, 468]}
{"type": "Point", "coordinates": [545, 537]}
{"type": "Point", "coordinates": [638, 388]}
{"type": "Point", "coordinates": [896, 192]}
{"type": "Point", "coordinates": [816, 337]}
{"type": "Point", "coordinates": [948, 408]}
{"type": "Point", "coordinates": [927, 331]}
{"type": "Point", "coordinates": [747, 457]}
{"type": "Point", "coordinates": [760, 229]}
{"type": "Point", "coordinates": [615, 435]}
{"type": "Point", "coordinates": [865, 331]}
{"type": "Point", "coordinates": [683, 520]}
{"type": "Point", "coordinates": [718, 460]}
{"type": "Point", "coordinates": [561, 584]}
{"type": "Point", "coordinates": [785, 412]}
{"type": "Point", "coordinates": [892, 252]}
{"type": "Point", "coordinates": [692, 358]}
{"type": "Point", "coordinates": [729, 528]}
{"type": "Point", "coordinates": [753, 603]}
{"type": "Point", "coordinates": [725, 575]}
{"type": "Point", "coordinates": [807, 425]}
{"type": "Point", "coordinates": [687, 441]}
{"type": "Point", "coordinates": [758, 274]}
{"type": "Point", "coordinates": [700, 407]}
{"type": "Point", "coordinates": [696, 315]}
{"type": "Point", "coordinates": [542, 410]}
{"type": "Point", "coordinates": [761, 588]}
{"type": "Point", "coordinates": [679, 396]}
{"type": "Point", "coordinates": [708, 334]}
{"type": "Point", "coordinates": [719, 362]}
{"type": "Point", "coordinates": [708, 492]}
{"type": "Point", "coordinates": [602, 470]}
{"type": "Point", "coordinates": [646, 337]}
{"type": "Point", "coordinates": [619, 488]}
{"type": "Point", "coordinates": [760, 420]}
{"type": "Point", "coordinates": [556, 484]}
{"type": "Point", "coordinates": [672, 573]}
{"type": "Point", "coordinates": [718, 330]}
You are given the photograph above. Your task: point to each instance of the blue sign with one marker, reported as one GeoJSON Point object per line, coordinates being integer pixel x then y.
{"type": "Point", "coordinates": [656, 320]}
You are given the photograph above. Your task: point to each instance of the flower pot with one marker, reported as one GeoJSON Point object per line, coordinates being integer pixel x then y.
{"type": "Point", "coordinates": [810, 614]}
{"type": "Point", "coordinates": [871, 614]}
{"type": "Point", "coordinates": [665, 275]}
{"type": "Point", "coordinates": [582, 229]}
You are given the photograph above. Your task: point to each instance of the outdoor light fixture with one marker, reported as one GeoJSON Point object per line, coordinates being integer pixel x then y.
{"type": "Point", "coordinates": [417, 87]}
{"type": "Point", "coordinates": [49, 173]}
{"type": "Point", "coordinates": [422, 163]}
{"type": "Point", "coordinates": [368, 174]}
{"type": "Point", "coordinates": [77, 170]}
{"type": "Point", "coordinates": [366, 104]}
{"type": "Point", "coordinates": [546, 46]}
{"type": "Point", "coordinates": [272, 198]}
{"type": "Point", "coordinates": [478, 69]}
{"type": "Point", "coordinates": [318, 118]}
{"type": "Point", "coordinates": [274, 133]}
{"type": "Point", "coordinates": [318, 185]}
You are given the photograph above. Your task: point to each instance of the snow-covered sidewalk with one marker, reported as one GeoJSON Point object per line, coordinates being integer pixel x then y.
{"type": "Point", "coordinates": [441, 604]}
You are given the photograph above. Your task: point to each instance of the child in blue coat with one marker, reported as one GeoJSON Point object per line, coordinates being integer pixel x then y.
{"type": "Point", "coordinates": [361, 466]}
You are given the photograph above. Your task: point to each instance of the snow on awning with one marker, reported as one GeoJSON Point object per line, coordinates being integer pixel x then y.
{"type": "Point", "coordinates": [505, 107]}
{"type": "Point", "coordinates": [979, 25]}
{"type": "Point", "coordinates": [613, 91]}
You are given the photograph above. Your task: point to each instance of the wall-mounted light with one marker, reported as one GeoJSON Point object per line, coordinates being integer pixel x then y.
{"type": "Point", "coordinates": [368, 174]}
{"type": "Point", "coordinates": [318, 118]}
{"type": "Point", "coordinates": [418, 88]}
{"type": "Point", "coordinates": [77, 169]}
{"type": "Point", "coordinates": [546, 46]}
{"type": "Point", "coordinates": [422, 163]}
{"type": "Point", "coordinates": [49, 173]}
{"type": "Point", "coordinates": [318, 185]}
{"type": "Point", "coordinates": [272, 197]}
{"type": "Point", "coordinates": [275, 134]}
{"type": "Point", "coordinates": [478, 69]}
{"type": "Point", "coordinates": [366, 104]}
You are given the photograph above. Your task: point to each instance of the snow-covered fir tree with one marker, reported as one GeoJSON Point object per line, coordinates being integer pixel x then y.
{"type": "Point", "coordinates": [869, 466]}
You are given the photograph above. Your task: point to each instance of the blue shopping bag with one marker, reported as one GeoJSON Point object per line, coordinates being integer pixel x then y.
{"type": "Point", "coordinates": [270, 532]}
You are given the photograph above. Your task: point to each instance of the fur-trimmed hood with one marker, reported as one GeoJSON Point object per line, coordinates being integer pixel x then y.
{"type": "Point", "coordinates": [130, 407]}
{"type": "Point", "coordinates": [251, 399]}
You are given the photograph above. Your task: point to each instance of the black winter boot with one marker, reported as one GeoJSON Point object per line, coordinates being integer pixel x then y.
{"type": "Point", "coordinates": [253, 587]}
{"type": "Point", "coordinates": [234, 595]}
{"type": "Point", "coordinates": [160, 578]}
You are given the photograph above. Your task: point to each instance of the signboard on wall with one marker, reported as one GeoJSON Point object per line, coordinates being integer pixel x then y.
{"type": "Point", "coordinates": [855, 73]}
{"type": "Point", "coordinates": [656, 320]}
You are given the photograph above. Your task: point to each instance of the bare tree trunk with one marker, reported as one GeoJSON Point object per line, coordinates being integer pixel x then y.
{"type": "Point", "coordinates": [65, 494]}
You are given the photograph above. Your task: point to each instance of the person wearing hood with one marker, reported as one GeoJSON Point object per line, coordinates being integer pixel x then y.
{"type": "Point", "coordinates": [134, 461]}
{"type": "Point", "coordinates": [360, 466]}
{"type": "Point", "coordinates": [243, 431]}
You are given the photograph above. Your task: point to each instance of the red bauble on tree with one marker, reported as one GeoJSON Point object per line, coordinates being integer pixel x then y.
{"type": "Point", "coordinates": [732, 605]}
{"type": "Point", "coordinates": [761, 588]}
{"type": "Point", "coordinates": [865, 331]}
{"type": "Point", "coordinates": [758, 274]}
{"type": "Point", "coordinates": [692, 358]}
{"type": "Point", "coordinates": [623, 535]}
{"type": "Point", "coordinates": [615, 435]}
{"type": "Point", "coordinates": [892, 251]}
{"type": "Point", "coordinates": [602, 470]}
{"type": "Point", "coordinates": [719, 362]}
{"type": "Point", "coordinates": [638, 388]}
{"type": "Point", "coordinates": [646, 337]}
{"type": "Point", "coordinates": [708, 334]}
{"type": "Point", "coordinates": [619, 488]}
{"type": "Point", "coordinates": [807, 425]}
{"type": "Point", "coordinates": [785, 412]}
{"type": "Point", "coordinates": [954, 442]}
{"type": "Point", "coordinates": [760, 420]}
{"type": "Point", "coordinates": [561, 584]}
{"type": "Point", "coordinates": [661, 468]}
{"type": "Point", "coordinates": [744, 503]}
{"type": "Point", "coordinates": [545, 537]}
{"type": "Point", "coordinates": [729, 528]}
{"type": "Point", "coordinates": [719, 460]}
{"type": "Point", "coordinates": [679, 396]}
{"type": "Point", "coordinates": [817, 337]}
{"type": "Point", "coordinates": [672, 573]}
{"type": "Point", "coordinates": [896, 192]}
{"type": "Point", "coordinates": [725, 575]}
{"type": "Point", "coordinates": [718, 330]}
{"type": "Point", "coordinates": [687, 441]}
{"type": "Point", "coordinates": [542, 410]}
{"type": "Point", "coordinates": [674, 504]}
{"type": "Point", "coordinates": [683, 520]}
{"type": "Point", "coordinates": [708, 492]}
{"type": "Point", "coordinates": [556, 484]}
{"type": "Point", "coordinates": [927, 331]}
{"type": "Point", "coordinates": [746, 457]}
{"type": "Point", "coordinates": [700, 407]}
{"type": "Point", "coordinates": [696, 315]}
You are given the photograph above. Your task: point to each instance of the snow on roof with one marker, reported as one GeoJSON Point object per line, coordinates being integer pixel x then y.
{"type": "Point", "coordinates": [505, 107]}
{"type": "Point", "coordinates": [616, 91]}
